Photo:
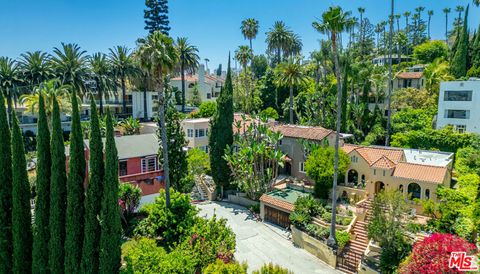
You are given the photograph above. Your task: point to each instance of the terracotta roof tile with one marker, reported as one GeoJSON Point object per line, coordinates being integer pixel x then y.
{"type": "Point", "coordinates": [349, 148]}
{"type": "Point", "coordinates": [425, 173]}
{"type": "Point", "coordinates": [383, 162]}
{"type": "Point", "coordinates": [188, 78]}
{"type": "Point", "coordinates": [410, 75]}
{"type": "Point", "coordinates": [373, 154]}
{"type": "Point", "coordinates": [303, 132]}
{"type": "Point", "coordinates": [277, 203]}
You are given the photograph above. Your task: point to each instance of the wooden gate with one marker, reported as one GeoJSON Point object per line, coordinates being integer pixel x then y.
{"type": "Point", "coordinates": [277, 217]}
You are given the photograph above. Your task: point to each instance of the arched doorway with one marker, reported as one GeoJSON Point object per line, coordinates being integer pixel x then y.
{"type": "Point", "coordinates": [352, 177]}
{"type": "Point", "coordinates": [414, 191]}
{"type": "Point", "coordinates": [379, 187]}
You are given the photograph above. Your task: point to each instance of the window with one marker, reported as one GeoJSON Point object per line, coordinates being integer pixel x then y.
{"type": "Point", "coordinates": [374, 172]}
{"type": "Point", "coordinates": [122, 168]}
{"type": "Point", "coordinates": [384, 173]}
{"type": "Point", "coordinates": [414, 191]}
{"type": "Point", "coordinates": [458, 95]}
{"type": "Point", "coordinates": [200, 132]}
{"type": "Point", "coordinates": [461, 128]}
{"type": "Point", "coordinates": [301, 167]}
{"type": "Point", "coordinates": [204, 149]}
{"type": "Point", "coordinates": [354, 159]}
{"type": "Point", "coordinates": [149, 164]}
{"type": "Point", "coordinates": [427, 194]}
{"type": "Point", "coordinates": [457, 114]}
{"type": "Point", "coordinates": [209, 96]}
{"type": "Point", "coordinates": [190, 132]}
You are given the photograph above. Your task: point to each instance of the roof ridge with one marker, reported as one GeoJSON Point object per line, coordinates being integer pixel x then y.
{"type": "Point", "coordinates": [418, 164]}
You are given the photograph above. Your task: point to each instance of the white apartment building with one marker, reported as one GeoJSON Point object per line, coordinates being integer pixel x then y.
{"type": "Point", "coordinates": [208, 85]}
{"type": "Point", "coordinates": [459, 105]}
{"type": "Point", "coordinates": [196, 133]}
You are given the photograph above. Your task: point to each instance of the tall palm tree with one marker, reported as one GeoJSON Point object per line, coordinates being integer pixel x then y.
{"type": "Point", "coordinates": [290, 74]}
{"type": "Point", "coordinates": [278, 39]}
{"type": "Point", "coordinates": [446, 11]}
{"type": "Point", "coordinates": [397, 18]}
{"type": "Point", "coordinates": [189, 61]}
{"type": "Point", "coordinates": [407, 27]}
{"type": "Point", "coordinates": [206, 63]}
{"type": "Point", "coordinates": [249, 30]}
{"type": "Point", "coordinates": [36, 67]}
{"type": "Point", "coordinates": [123, 67]}
{"type": "Point", "coordinates": [294, 46]}
{"type": "Point", "coordinates": [430, 14]}
{"type": "Point", "coordinates": [459, 9]}
{"type": "Point", "coordinates": [69, 63]}
{"type": "Point", "coordinates": [334, 21]}
{"type": "Point", "coordinates": [102, 75]}
{"type": "Point", "coordinates": [157, 55]}
{"type": "Point", "coordinates": [361, 10]}
{"type": "Point", "coordinates": [244, 55]}
{"type": "Point", "coordinates": [9, 80]}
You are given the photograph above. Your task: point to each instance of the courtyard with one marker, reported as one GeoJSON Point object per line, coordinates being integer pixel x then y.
{"type": "Point", "coordinates": [259, 243]}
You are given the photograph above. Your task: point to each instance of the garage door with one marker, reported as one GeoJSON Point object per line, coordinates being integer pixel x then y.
{"type": "Point", "coordinates": [277, 217]}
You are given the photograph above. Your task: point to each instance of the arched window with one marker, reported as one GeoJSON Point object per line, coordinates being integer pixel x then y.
{"type": "Point", "coordinates": [400, 188]}
{"type": "Point", "coordinates": [414, 191]}
{"type": "Point", "coordinates": [353, 177]}
{"type": "Point", "coordinates": [427, 194]}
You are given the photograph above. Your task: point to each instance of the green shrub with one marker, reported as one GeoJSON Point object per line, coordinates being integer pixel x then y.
{"type": "Point", "coordinates": [270, 113]}
{"type": "Point", "coordinates": [255, 208]}
{"type": "Point", "coordinates": [327, 217]}
{"type": "Point", "coordinates": [344, 220]}
{"type": "Point", "coordinates": [343, 237]}
{"type": "Point", "coordinates": [322, 232]}
{"type": "Point", "coordinates": [272, 269]}
{"type": "Point", "coordinates": [221, 267]}
{"type": "Point", "coordinates": [299, 219]}
{"type": "Point", "coordinates": [309, 205]}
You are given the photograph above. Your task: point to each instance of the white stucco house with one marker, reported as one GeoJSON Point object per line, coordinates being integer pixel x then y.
{"type": "Point", "coordinates": [209, 85]}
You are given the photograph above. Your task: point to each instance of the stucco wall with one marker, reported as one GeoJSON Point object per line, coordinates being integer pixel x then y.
{"type": "Point", "coordinates": [315, 247]}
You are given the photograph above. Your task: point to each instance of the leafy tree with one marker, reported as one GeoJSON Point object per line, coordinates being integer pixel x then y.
{"type": "Point", "coordinates": [168, 224]}
{"type": "Point", "coordinates": [257, 157]}
{"type": "Point", "coordinates": [189, 60]}
{"type": "Point", "coordinates": [6, 201]}
{"type": "Point", "coordinates": [436, 72]}
{"type": "Point", "coordinates": [75, 194]}
{"type": "Point", "coordinates": [432, 254]}
{"type": "Point", "coordinates": [110, 237]}
{"type": "Point", "coordinates": [123, 67]}
{"type": "Point", "coordinates": [206, 110]}
{"type": "Point", "coordinates": [458, 64]}
{"type": "Point", "coordinates": [158, 56]}
{"type": "Point", "coordinates": [70, 65]}
{"type": "Point", "coordinates": [58, 195]}
{"type": "Point", "coordinates": [268, 90]}
{"type": "Point", "coordinates": [198, 162]}
{"type": "Point", "coordinates": [93, 197]}
{"type": "Point", "coordinates": [221, 133]}
{"type": "Point", "coordinates": [412, 98]}
{"type": "Point", "coordinates": [130, 126]}
{"type": "Point", "coordinates": [42, 188]}
{"type": "Point", "coordinates": [467, 161]}
{"type": "Point", "coordinates": [156, 16]}
{"type": "Point", "coordinates": [409, 119]}
{"type": "Point", "coordinates": [196, 100]}
{"type": "Point", "coordinates": [144, 256]}
{"type": "Point", "coordinates": [21, 209]}
{"type": "Point", "coordinates": [269, 113]}
{"type": "Point", "coordinates": [226, 268]}
{"type": "Point", "coordinates": [387, 227]}
{"type": "Point", "coordinates": [290, 74]}
{"type": "Point", "coordinates": [259, 65]}
{"type": "Point", "coordinates": [177, 156]}
{"type": "Point", "coordinates": [319, 166]}
{"type": "Point", "coordinates": [130, 196]}
{"type": "Point", "coordinates": [429, 51]}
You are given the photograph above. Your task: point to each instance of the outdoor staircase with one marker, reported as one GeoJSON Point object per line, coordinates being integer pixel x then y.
{"type": "Point", "coordinates": [351, 256]}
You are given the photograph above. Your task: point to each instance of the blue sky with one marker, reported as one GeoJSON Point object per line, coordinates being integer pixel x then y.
{"type": "Point", "coordinates": [212, 25]}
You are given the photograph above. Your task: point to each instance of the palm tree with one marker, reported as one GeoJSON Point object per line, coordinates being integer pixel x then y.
{"type": "Point", "coordinates": [102, 75]}
{"type": "Point", "coordinates": [430, 14]}
{"type": "Point", "coordinates": [36, 67]}
{"type": "Point", "coordinates": [123, 67]}
{"type": "Point", "coordinates": [379, 81]}
{"type": "Point", "coordinates": [249, 30]}
{"type": "Point", "coordinates": [130, 126]}
{"type": "Point", "coordinates": [69, 63]}
{"type": "Point", "coordinates": [435, 73]}
{"type": "Point", "coordinates": [290, 74]}
{"type": "Point", "coordinates": [397, 18]}
{"type": "Point", "coordinates": [206, 63]}
{"type": "Point", "coordinates": [446, 11]}
{"type": "Point", "coordinates": [390, 76]}
{"type": "Point", "coordinates": [243, 55]}
{"type": "Point", "coordinates": [157, 55]}
{"type": "Point", "coordinates": [361, 10]}
{"type": "Point", "coordinates": [333, 22]}
{"type": "Point", "coordinates": [407, 15]}
{"type": "Point", "coordinates": [294, 46]}
{"type": "Point", "coordinates": [459, 9]}
{"type": "Point", "coordinates": [9, 80]}
{"type": "Point", "coordinates": [278, 39]}
{"type": "Point", "coordinates": [189, 61]}
{"type": "Point", "coordinates": [51, 90]}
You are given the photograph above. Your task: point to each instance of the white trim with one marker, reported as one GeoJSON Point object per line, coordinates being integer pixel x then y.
{"type": "Point", "coordinates": [301, 167]}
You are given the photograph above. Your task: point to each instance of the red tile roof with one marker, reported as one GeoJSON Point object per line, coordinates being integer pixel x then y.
{"type": "Point", "coordinates": [349, 148]}
{"type": "Point", "coordinates": [194, 78]}
{"type": "Point", "coordinates": [383, 162]}
{"type": "Point", "coordinates": [410, 75]}
{"type": "Point", "coordinates": [425, 173]}
{"type": "Point", "coordinates": [373, 154]}
{"type": "Point", "coordinates": [303, 132]}
{"type": "Point", "coordinates": [277, 203]}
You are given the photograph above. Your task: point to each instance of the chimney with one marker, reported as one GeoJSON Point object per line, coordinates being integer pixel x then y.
{"type": "Point", "coordinates": [201, 74]}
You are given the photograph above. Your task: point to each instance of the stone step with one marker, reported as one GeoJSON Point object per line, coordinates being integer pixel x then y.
{"type": "Point", "coordinates": [346, 269]}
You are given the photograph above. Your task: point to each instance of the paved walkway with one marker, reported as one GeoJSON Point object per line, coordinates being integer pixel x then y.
{"type": "Point", "coordinates": [259, 243]}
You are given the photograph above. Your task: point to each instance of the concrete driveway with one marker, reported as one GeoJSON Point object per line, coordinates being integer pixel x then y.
{"type": "Point", "coordinates": [259, 243]}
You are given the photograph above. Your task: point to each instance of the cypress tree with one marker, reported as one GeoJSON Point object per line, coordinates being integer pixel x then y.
{"type": "Point", "coordinates": [221, 134]}
{"type": "Point", "coordinates": [110, 215]}
{"type": "Point", "coordinates": [459, 62]}
{"type": "Point", "coordinates": [90, 255]}
{"type": "Point", "coordinates": [21, 209]}
{"type": "Point", "coordinates": [75, 194]}
{"type": "Point", "coordinates": [41, 232]}
{"type": "Point", "coordinates": [58, 196]}
{"type": "Point", "coordinates": [156, 16]}
{"type": "Point", "coordinates": [476, 50]}
{"type": "Point", "coordinates": [5, 192]}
